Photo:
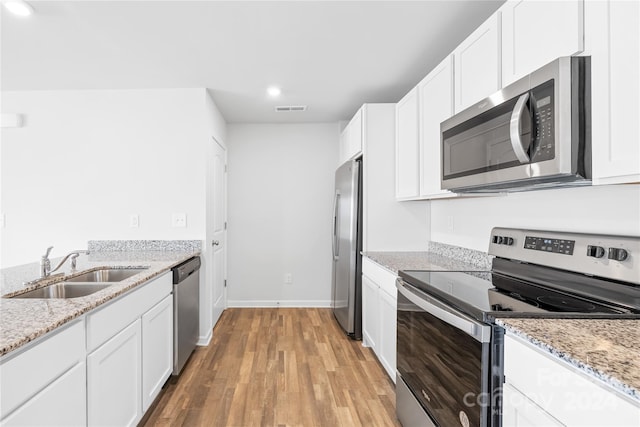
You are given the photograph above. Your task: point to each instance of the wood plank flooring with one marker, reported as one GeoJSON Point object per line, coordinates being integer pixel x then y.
{"type": "Point", "coordinates": [278, 367]}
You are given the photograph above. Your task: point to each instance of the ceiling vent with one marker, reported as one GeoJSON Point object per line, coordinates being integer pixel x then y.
{"type": "Point", "coordinates": [290, 108]}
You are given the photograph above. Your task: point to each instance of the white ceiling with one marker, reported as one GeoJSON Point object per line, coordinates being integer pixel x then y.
{"type": "Point", "coordinates": [330, 55]}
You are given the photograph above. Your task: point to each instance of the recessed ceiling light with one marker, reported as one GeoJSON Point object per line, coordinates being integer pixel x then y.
{"type": "Point", "coordinates": [274, 91]}
{"type": "Point", "coordinates": [18, 7]}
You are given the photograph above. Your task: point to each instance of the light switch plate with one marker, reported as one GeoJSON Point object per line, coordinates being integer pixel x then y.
{"type": "Point", "coordinates": [179, 220]}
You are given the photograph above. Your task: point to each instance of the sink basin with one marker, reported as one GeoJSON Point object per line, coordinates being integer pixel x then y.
{"type": "Point", "coordinates": [64, 290]}
{"type": "Point", "coordinates": [106, 275]}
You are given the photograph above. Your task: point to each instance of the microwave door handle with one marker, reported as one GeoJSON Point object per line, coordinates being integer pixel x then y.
{"type": "Point", "coordinates": [514, 127]}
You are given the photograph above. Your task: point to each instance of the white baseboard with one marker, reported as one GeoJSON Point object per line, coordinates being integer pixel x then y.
{"type": "Point", "coordinates": [273, 304]}
{"type": "Point", "coordinates": [204, 341]}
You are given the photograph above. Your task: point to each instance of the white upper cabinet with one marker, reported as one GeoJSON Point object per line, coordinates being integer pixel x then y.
{"type": "Point", "coordinates": [537, 32]}
{"type": "Point", "coordinates": [351, 139]}
{"type": "Point", "coordinates": [407, 146]}
{"type": "Point", "coordinates": [435, 94]}
{"type": "Point", "coordinates": [613, 41]}
{"type": "Point", "coordinates": [478, 64]}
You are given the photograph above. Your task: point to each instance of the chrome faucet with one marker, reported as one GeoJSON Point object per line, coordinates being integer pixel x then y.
{"type": "Point", "coordinates": [45, 263]}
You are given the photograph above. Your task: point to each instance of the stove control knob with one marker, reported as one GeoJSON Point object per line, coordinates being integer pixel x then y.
{"type": "Point", "coordinates": [499, 239]}
{"type": "Point", "coordinates": [508, 241]}
{"type": "Point", "coordinates": [595, 251]}
{"type": "Point", "coordinates": [618, 254]}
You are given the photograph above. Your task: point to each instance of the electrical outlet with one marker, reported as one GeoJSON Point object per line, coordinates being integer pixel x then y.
{"type": "Point", "coordinates": [288, 278]}
{"type": "Point", "coordinates": [179, 220]}
{"type": "Point", "coordinates": [134, 221]}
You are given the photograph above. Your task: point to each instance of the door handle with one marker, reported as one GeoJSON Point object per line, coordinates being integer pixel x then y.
{"type": "Point", "coordinates": [215, 243]}
{"type": "Point", "coordinates": [514, 128]}
{"type": "Point", "coordinates": [334, 243]}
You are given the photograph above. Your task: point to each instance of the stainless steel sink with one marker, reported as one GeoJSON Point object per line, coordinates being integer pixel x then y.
{"type": "Point", "coordinates": [64, 290]}
{"type": "Point", "coordinates": [106, 275]}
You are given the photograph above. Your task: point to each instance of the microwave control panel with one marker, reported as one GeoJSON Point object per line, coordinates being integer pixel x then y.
{"type": "Point", "coordinates": [542, 111]}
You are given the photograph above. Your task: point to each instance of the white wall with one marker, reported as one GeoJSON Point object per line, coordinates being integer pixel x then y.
{"type": "Point", "coordinates": [599, 209]}
{"type": "Point", "coordinates": [84, 161]}
{"type": "Point", "coordinates": [281, 181]}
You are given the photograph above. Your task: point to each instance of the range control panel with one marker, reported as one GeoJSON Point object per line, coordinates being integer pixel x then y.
{"type": "Point", "coordinates": [613, 257]}
{"type": "Point", "coordinates": [558, 246]}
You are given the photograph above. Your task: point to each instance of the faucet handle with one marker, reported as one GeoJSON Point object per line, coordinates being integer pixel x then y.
{"type": "Point", "coordinates": [73, 261]}
{"type": "Point", "coordinates": [46, 255]}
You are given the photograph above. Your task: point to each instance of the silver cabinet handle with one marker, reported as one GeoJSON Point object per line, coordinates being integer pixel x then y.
{"type": "Point", "coordinates": [514, 128]}
{"type": "Point", "coordinates": [215, 243]}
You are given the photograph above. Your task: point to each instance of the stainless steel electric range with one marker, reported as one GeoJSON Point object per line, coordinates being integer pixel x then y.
{"type": "Point", "coordinates": [449, 347]}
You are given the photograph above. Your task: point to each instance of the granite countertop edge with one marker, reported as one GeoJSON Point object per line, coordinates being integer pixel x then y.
{"type": "Point", "coordinates": [584, 367]}
{"type": "Point", "coordinates": [19, 320]}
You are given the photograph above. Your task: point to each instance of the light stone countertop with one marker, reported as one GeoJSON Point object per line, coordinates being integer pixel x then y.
{"type": "Point", "coordinates": [23, 320]}
{"type": "Point", "coordinates": [607, 349]}
{"type": "Point", "coordinates": [438, 257]}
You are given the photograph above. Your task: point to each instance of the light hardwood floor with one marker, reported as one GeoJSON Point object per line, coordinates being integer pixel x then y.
{"type": "Point", "coordinates": [278, 367]}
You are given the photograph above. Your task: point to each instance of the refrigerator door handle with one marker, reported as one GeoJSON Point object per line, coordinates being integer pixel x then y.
{"type": "Point", "coordinates": [336, 203]}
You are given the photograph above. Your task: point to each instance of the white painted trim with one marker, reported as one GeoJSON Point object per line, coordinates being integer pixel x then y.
{"type": "Point", "coordinates": [272, 303]}
{"type": "Point", "coordinates": [204, 341]}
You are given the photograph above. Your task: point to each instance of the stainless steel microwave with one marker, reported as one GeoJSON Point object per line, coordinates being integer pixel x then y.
{"type": "Point", "coordinates": [534, 133]}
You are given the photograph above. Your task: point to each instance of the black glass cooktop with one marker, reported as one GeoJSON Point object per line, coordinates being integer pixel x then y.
{"type": "Point", "coordinates": [491, 294]}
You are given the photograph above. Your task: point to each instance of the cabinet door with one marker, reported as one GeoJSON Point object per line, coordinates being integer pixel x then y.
{"type": "Point", "coordinates": [519, 411]}
{"type": "Point", "coordinates": [370, 313]}
{"type": "Point", "coordinates": [615, 88]}
{"type": "Point", "coordinates": [436, 105]}
{"type": "Point", "coordinates": [61, 403]}
{"type": "Point", "coordinates": [537, 32]}
{"type": "Point", "coordinates": [407, 149]}
{"type": "Point", "coordinates": [343, 151]}
{"type": "Point", "coordinates": [387, 343]}
{"type": "Point", "coordinates": [355, 135]}
{"type": "Point", "coordinates": [114, 380]}
{"type": "Point", "coordinates": [567, 394]}
{"type": "Point", "coordinates": [478, 64]}
{"type": "Point", "coordinates": [157, 349]}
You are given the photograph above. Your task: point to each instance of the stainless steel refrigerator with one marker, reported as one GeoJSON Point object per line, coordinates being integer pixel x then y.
{"type": "Point", "coordinates": [347, 247]}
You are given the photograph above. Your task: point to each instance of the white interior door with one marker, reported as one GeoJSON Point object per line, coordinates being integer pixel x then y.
{"type": "Point", "coordinates": [219, 236]}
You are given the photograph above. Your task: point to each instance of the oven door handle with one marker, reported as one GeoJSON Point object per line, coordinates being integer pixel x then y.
{"type": "Point", "coordinates": [434, 307]}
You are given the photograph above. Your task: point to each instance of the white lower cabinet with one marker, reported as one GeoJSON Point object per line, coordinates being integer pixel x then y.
{"type": "Point", "coordinates": [520, 411]}
{"type": "Point", "coordinates": [43, 377]}
{"type": "Point", "coordinates": [157, 349]}
{"type": "Point", "coordinates": [542, 390]}
{"type": "Point", "coordinates": [103, 369]}
{"type": "Point", "coordinates": [370, 323]}
{"type": "Point", "coordinates": [62, 403]}
{"type": "Point", "coordinates": [379, 301]}
{"type": "Point", "coordinates": [114, 380]}
{"type": "Point", "coordinates": [130, 341]}
{"type": "Point", "coordinates": [388, 316]}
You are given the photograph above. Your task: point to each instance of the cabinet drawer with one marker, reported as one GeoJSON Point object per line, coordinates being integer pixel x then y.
{"type": "Point", "coordinates": [380, 275]}
{"type": "Point", "coordinates": [107, 321]}
{"type": "Point", "coordinates": [44, 361]}
{"type": "Point", "coordinates": [571, 397]}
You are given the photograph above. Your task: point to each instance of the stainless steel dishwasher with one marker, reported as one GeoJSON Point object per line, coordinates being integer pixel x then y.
{"type": "Point", "coordinates": [186, 311]}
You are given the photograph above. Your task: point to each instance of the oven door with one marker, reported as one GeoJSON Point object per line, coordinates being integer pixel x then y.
{"type": "Point", "coordinates": [443, 362]}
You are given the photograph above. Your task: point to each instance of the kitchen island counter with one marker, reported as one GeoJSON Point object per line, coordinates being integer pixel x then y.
{"type": "Point", "coordinates": [603, 348]}
{"type": "Point", "coordinates": [24, 320]}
